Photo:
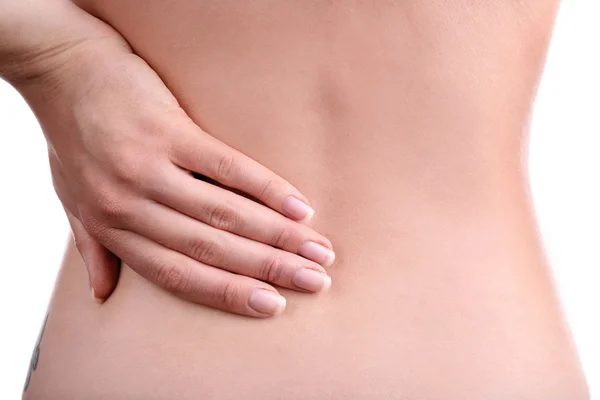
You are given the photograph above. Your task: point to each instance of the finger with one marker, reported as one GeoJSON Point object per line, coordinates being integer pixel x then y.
{"type": "Point", "coordinates": [192, 280]}
{"type": "Point", "coordinates": [101, 264]}
{"type": "Point", "coordinates": [197, 151]}
{"type": "Point", "coordinates": [230, 212]}
{"type": "Point", "coordinates": [225, 250]}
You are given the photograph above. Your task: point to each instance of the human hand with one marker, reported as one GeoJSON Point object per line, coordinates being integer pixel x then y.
{"type": "Point", "coordinates": [122, 153]}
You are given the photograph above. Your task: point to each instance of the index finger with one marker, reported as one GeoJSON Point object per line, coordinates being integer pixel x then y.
{"type": "Point", "coordinates": [197, 151]}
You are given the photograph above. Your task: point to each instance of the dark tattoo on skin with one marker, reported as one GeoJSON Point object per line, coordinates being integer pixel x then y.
{"type": "Point", "coordinates": [35, 357]}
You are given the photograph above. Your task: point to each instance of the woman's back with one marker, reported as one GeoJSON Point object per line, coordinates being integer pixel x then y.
{"type": "Point", "coordinates": [404, 124]}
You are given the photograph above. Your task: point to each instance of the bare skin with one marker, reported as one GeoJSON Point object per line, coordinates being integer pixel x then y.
{"type": "Point", "coordinates": [405, 124]}
{"type": "Point", "coordinates": [123, 156]}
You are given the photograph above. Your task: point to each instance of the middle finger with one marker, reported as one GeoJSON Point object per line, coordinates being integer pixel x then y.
{"type": "Point", "coordinates": [227, 251]}
{"type": "Point", "coordinates": [228, 211]}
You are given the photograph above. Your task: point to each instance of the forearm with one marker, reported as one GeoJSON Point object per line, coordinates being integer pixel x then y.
{"type": "Point", "coordinates": [37, 37]}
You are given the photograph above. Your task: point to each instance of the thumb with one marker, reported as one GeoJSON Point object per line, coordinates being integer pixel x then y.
{"type": "Point", "coordinates": [101, 264]}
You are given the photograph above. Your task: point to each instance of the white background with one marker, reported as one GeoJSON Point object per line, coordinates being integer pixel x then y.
{"type": "Point", "coordinates": [565, 172]}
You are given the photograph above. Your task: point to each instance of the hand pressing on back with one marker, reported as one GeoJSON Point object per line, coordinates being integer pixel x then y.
{"type": "Point", "coordinates": [123, 156]}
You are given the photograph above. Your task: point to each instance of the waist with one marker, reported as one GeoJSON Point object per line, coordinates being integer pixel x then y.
{"type": "Point", "coordinates": [427, 300]}
{"type": "Point", "coordinates": [438, 327]}
{"type": "Point", "coordinates": [439, 287]}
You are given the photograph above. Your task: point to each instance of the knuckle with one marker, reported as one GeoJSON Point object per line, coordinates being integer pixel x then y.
{"type": "Point", "coordinates": [95, 227]}
{"type": "Point", "coordinates": [281, 237]}
{"type": "Point", "coordinates": [224, 217]}
{"type": "Point", "coordinates": [206, 251]}
{"type": "Point", "coordinates": [126, 167]}
{"type": "Point", "coordinates": [108, 204]}
{"type": "Point", "coordinates": [173, 278]}
{"type": "Point", "coordinates": [268, 188]}
{"type": "Point", "coordinates": [225, 169]}
{"type": "Point", "coordinates": [111, 209]}
{"type": "Point", "coordinates": [272, 269]}
{"type": "Point", "coordinates": [125, 173]}
{"type": "Point", "coordinates": [154, 177]}
{"type": "Point", "coordinates": [229, 296]}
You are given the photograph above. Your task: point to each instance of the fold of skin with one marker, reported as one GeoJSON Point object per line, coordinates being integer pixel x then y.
{"type": "Point", "coordinates": [405, 124]}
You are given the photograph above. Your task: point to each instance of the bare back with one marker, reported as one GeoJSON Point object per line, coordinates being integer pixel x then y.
{"type": "Point", "coordinates": [405, 125]}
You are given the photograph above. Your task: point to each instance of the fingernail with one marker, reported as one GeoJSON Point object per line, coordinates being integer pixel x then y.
{"type": "Point", "coordinates": [317, 253]}
{"type": "Point", "coordinates": [96, 299]}
{"type": "Point", "coordinates": [298, 209]}
{"type": "Point", "coordinates": [309, 279]}
{"type": "Point", "coordinates": [266, 302]}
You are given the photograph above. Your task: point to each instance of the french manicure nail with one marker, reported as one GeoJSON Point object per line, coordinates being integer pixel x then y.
{"type": "Point", "coordinates": [266, 302]}
{"type": "Point", "coordinates": [298, 209]}
{"type": "Point", "coordinates": [317, 253]}
{"type": "Point", "coordinates": [309, 279]}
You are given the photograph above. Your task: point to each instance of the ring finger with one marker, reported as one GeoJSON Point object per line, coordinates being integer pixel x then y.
{"type": "Point", "coordinates": [227, 251]}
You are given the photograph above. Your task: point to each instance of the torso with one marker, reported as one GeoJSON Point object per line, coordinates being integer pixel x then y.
{"type": "Point", "coordinates": [403, 123]}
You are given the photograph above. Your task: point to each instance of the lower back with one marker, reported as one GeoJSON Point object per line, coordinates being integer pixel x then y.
{"type": "Point", "coordinates": [404, 128]}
